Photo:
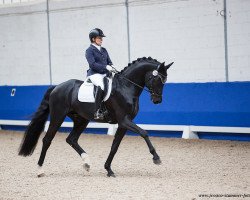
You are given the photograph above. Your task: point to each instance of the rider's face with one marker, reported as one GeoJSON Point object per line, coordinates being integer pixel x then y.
{"type": "Point", "coordinates": [98, 41]}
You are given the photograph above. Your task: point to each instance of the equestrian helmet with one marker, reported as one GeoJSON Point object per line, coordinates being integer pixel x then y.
{"type": "Point", "coordinates": [95, 33]}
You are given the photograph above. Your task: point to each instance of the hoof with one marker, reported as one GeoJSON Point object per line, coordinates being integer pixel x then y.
{"type": "Point", "coordinates": [86, 161]}
{"type": "Point", "coordinates": [41, 175]}
{"type": "Point", "coordinates": [111, 174]}
{"type": "Point", "coordinates": [86, 166]}
{"type": "Point", "coordinates": [40, 172]}
{"type": "Point", "coordinates": [157, 161]}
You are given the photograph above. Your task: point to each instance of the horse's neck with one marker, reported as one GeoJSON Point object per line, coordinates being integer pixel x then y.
{"type": "Point", "coordinates": [137, 74]}
{"type": "Point", "coordinates": [134, 78]}
{"type": "Point", "coordinates": [126, 87]}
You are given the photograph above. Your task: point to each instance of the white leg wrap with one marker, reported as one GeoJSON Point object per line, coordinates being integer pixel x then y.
{"type": "Point", "coordinates": [86, 161]}
{"type": "Point", "coordinates": [85, 158]}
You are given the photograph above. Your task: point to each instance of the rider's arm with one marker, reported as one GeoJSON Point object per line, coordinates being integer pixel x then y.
{"type": "Point", "coordinates": [109, 60]}
{"type": "Point", "coordinates": [99, 68]}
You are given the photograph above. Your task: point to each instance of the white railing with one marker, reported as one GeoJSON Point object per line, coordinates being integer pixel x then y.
{"type": "Point", "coordinates": [189, 132]}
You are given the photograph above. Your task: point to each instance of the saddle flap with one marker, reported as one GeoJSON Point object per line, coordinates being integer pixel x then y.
{"type": "Point", "coordinates": [86, 91]}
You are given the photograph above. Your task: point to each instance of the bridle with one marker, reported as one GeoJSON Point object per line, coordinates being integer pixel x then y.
{"type": "Point", "coordinates": [155, 73]}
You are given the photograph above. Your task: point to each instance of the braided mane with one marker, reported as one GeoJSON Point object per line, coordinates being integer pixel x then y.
{"type": "Point", "coordinates": [149, 59]}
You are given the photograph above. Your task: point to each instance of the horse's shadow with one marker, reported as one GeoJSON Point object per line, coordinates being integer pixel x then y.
{"type": "Point", "coordinates": [126, 173]}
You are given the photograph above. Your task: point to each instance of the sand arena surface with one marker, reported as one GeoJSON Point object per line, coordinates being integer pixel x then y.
{"type": "Point", "coordinates": [189, 168]}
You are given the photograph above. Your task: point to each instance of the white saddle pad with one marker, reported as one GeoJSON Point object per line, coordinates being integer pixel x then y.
{"type": "Point", "coordinates": [86, 92]}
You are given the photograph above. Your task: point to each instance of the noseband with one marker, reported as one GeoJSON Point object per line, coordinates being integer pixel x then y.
{"type": "Point", "coordinates": [163, 78]}
{"type": "Point", "coordinates": [150, 86]}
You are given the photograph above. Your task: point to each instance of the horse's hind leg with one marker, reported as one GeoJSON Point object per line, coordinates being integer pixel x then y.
{"type": "Point", "coordinates": [79, 125]}
{"type": "Point", "coordinates": [55, 123]}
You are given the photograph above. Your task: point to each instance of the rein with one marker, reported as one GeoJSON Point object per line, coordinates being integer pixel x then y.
{"type": "Point", "coordinates": [136, 84]}
{"type": "Point", "coordinates": [143, 88]}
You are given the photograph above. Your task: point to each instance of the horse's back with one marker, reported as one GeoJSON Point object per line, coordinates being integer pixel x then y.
{"type": "Point", "coordinates": [67, 85]}
{"type": "Point", "coordinates": [65, 91]}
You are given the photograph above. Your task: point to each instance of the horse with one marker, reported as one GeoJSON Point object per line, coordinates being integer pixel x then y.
{"type": "Point", "coordinates": [122, 105]}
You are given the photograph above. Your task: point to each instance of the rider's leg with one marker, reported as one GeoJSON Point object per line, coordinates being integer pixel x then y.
{"type": "Point", "coordinates": [98, 100]}
{"type": "Point", "coordinates": [97, 80]}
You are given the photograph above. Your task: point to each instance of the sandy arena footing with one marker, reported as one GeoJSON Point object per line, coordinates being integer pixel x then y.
{"type": "Point", "coordinates": [189, 168]}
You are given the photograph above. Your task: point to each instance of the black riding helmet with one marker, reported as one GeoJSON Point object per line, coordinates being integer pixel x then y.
{"type": "Point", "coordinates": [95, 33]}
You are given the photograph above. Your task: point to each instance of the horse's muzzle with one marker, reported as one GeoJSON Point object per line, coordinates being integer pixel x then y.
{"type": "Point", "coordinates": [156, 99]}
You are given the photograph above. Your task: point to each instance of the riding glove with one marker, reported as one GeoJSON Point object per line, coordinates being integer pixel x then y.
{"type": "Point", "coordinates": [109, 68]}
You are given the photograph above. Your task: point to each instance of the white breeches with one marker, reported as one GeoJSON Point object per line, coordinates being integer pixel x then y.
{"type": "Point", "coordinates": [97, 80]}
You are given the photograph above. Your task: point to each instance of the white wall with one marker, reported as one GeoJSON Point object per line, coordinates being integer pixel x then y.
{"type": "Point", "coordinates": [190, 33]}
{"type": "Point", "coordinates": [23, 46]}
{"type": "Point", "coordinates": [239, 40]}
{"type": "Point", "coordinates": [70, 27]}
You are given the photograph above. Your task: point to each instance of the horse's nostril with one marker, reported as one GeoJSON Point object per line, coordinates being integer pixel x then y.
{"type": "Point", "coordinates": [158, 101]}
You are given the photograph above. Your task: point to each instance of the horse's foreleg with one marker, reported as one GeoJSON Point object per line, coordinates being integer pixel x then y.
{"type": "Point", "coordinates": [128, 124]}
{"type": "Point", "coordinates": [72, 140]}
{"type": "Point", "coordinates": [156, 158]}
{"type": "Point", "coordinates": [116, 142]}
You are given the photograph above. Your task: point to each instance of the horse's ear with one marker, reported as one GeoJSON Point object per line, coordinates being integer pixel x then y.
{"type": "Point", "coordinates": [161, 66]}
{"type": "Point", "coordinates": [169, 65]}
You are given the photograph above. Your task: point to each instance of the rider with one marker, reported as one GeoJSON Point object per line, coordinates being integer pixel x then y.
{"type": "Point", "coordinates": [99, 63]}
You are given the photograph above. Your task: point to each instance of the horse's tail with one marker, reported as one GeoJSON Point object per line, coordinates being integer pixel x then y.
{"type": "Point", "coordinates": [36, 126]}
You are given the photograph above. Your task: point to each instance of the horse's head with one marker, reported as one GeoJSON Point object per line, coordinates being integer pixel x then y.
{"type": "Point", "coordinates": [155, 80]}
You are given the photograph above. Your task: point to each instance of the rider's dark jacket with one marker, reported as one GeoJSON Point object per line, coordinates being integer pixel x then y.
{"type": "Point", "coordinates": [98, 60]}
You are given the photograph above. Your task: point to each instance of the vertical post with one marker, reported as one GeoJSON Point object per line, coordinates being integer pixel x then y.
{"type": "Point", "coordinates": [128, 32]}
{"type": "Point", "coordinates": [225, 40]}
{"type": "Point", "coordinates": [49, 44]}
{"type": "Point", "coordinates": [112, 129]}
{"type": "Point", "coordinates": [189, 134]}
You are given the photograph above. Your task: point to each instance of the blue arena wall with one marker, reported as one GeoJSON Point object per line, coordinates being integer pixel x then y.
{"type": "Point", "coordinates": [201, 104]}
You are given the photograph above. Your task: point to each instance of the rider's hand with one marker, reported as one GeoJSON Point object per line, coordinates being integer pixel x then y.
{"type": "Point", "coordinates": [109, 68]}
{"type": "Point", "coordinates": [115, 69]}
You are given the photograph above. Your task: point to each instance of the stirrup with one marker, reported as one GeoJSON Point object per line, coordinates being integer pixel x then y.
{"type": "Point", "coordinates": [99, 115]}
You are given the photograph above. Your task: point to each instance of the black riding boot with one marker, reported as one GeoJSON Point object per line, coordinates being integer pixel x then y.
{"type": "Point", "coordinates": [98, 100]}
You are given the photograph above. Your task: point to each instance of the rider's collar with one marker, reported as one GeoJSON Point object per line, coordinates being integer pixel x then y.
{"type": "Point", "coordinates": [95, 45]}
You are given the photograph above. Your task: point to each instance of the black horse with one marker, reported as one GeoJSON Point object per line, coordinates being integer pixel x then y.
{"type": "Point", "coordinates": [123, 105]}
